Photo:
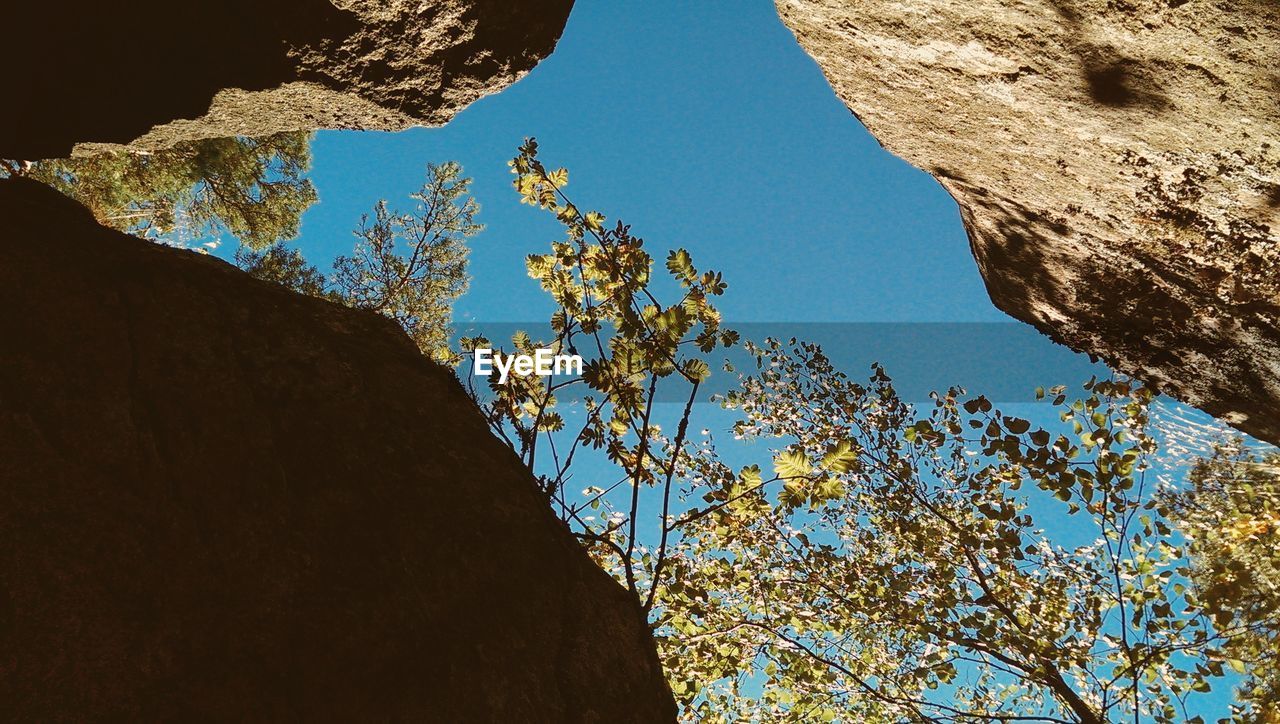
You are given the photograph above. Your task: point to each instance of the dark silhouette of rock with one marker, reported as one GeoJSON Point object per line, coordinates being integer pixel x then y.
{"type": "Point", "coordinates": [220, 500]}
{"type": "Point", "coordinates": [153, 73]}
{"type": "Point", "coordinates": [1116, 163]}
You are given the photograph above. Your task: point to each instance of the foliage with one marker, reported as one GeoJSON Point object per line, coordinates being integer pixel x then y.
{"type": "Point", "coordinates": [251, 188]}
{"type": "Point", "coordinates": [410, 267]}
{"type": "Point", "coordinates": [1231, 515]}
{"type": "Point", "coordinates": [285, 266]}
{"type": "Point", "coordinates": [883, 564]}
{"type": "Point", "coordinates": [632, 344]}
{"type": "Point", "coordinates": [897, 563]}
{"type": "Point", "coordinates": [416, 285]}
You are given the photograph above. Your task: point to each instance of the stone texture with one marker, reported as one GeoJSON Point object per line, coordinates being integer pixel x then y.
{"type": "Point", "coordinates": [1116, 163]}
{"type": "Point", "coordinates": [151, 74]}
{"type": "Point", "coordinates": [220, 500]}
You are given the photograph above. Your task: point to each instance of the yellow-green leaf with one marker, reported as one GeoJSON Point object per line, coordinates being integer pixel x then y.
{"type": "Point", "coordinates": [791, 464]}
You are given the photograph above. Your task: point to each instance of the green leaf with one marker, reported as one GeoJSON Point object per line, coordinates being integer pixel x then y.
{"type": "Point", "coordinates": [840, 457]}
{"type": "Point", "coordinates": [791, 464]}
{"type": "Point", "coordinates": [697, 370]}
{"type": "Point", "coordinates": [680, 264]}
{"type": "Point", "coordinates": [558, 177]}
{"type": "Point", "coordinates": [792, 493]}
{"type": "Point", "coordinates": [539, 265]}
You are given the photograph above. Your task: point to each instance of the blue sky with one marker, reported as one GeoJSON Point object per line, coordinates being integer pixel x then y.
{"type": "Point", "coordinates": [705, 126]}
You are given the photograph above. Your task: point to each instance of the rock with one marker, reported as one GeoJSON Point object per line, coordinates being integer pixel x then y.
{"type": "Point", "coordinates": [1116, 163]}
{"type": "Point", "coordinates": [151, 74]}
{"type": "Point", "coordinates": [225, 501]}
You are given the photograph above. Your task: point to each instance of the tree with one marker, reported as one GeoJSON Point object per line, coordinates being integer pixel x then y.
{"type": "Point", "coordinates": [599, 279]}
{"type": "Point", "coordinates": [1231, 516]}
{"type": "Point", "coordinates": [285, 266]}
{"type": "Point", "coordinates": [410, 267]}
{"type": "Point", "coordinates": [897, 562]}
{"type": "Point", "coordinates": [250, 188]}
{"type": "Point", "coordinates": [416, 288]}
{"type": "Point", "coordinates": [883, 563]}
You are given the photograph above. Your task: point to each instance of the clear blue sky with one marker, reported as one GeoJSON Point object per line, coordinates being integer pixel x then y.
{"type": "Point", "coordinates": [705, 126]}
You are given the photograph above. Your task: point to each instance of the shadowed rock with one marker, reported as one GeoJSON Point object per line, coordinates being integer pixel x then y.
{"type": "Point", "coordinates": [1116, 166]}
{"type": "Point", "coordinates": [152, 73]}
{"type": "Point", "coordinates": [225, 501]}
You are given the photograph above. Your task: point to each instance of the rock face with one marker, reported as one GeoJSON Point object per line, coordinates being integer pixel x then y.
{"type": "Point", "coordinates": [226, 501]}
{"type": "Point", "coordinates": [150, 73]}
{"type": "Point", "coordinates": [1116, 163]}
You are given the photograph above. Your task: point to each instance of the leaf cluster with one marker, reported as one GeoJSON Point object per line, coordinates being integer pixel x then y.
{"type": "Point", "coordinates": [409, 266]}
{"type": "Point", "coordinates": [251, 188]}
{"type": "Point", "coordinates": [600, 277]}
{"type": "Point", "coordinates": [896, 564]}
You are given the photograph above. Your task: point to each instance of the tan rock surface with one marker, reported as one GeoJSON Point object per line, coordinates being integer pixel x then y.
{"type": "Point", "coordinates": [1116, 163]}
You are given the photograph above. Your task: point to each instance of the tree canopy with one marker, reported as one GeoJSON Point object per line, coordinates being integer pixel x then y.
{"type": "Point", "coordinates": [1231, 517]}
{"type": "Point", "coordinates": [881, 562]}
{"type": "Point", "coordinates": [250, 188]}
{"type": "Point", "coordinates": [410, 266]}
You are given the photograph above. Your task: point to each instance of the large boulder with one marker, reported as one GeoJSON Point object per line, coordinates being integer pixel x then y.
{"type": "Point", "coordinates": [220, 500]}
{"type": "Point", "coordinates": [1116, 163]}
{"type": "Point", "coordinates": [151, 73]}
